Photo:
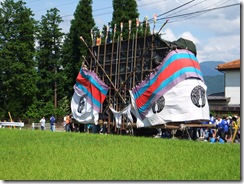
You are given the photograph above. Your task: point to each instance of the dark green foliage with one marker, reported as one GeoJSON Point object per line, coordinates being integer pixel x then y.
{"type": "Point", "coordinates": [124, 10]}
{"type": "Point", "coordinates": [18, 73]}
{"type": "Point", "coordinates": [49, 38]}
{"type": "Point", "coordinates": [73, 48]}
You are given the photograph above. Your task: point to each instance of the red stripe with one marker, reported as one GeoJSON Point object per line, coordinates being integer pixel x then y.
{"type": "Point", "coordinates": [92, 89]}
{"type": "Point", "coordinates": [170, 70]}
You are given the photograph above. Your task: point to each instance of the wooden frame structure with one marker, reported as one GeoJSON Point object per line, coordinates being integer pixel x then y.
{"type": "Point", "coordinates": [125, 63]}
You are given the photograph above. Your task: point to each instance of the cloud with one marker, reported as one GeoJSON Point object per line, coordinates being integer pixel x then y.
{"type": "Point", "coordinates": [168, 35]}
{"type": "Point", "coordinates": [189, 36]}
{"type": "Point", "coordinates": [224, 48]}
{"type": "Point", "coordinates": [216, 33]}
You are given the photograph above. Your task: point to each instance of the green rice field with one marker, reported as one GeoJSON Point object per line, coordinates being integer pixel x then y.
{"type": "Point", "coordinates": [45, 155]}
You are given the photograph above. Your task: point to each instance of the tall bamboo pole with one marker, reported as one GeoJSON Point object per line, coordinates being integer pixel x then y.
{"type": "Point", "coordinates": [135, 50]}
{"type": "Point", "coordinates": [144, 45]}
{"type": "Point", "coordinates": [111, 74]}
{"type": "Point", "coordinates": [101, 67]}
{"type": "Point", "coordinates": [127, 57]}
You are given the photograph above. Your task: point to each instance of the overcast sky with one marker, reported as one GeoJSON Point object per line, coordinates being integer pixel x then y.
{"type": "Point", "coordinates": [213, 25]}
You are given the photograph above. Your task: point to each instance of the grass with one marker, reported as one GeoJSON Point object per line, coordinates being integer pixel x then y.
{"type": "Point", "coordinates": [45, 155]}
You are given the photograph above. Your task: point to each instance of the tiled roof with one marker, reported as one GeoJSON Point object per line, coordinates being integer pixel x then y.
{"type": "Point", "coordinates": [232, 65]}
{"type": "Point", "coordinates": [219, 98]}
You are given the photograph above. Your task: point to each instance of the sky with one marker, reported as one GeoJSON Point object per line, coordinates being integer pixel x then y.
{"type": "Point", "coordinates": [213, 25]}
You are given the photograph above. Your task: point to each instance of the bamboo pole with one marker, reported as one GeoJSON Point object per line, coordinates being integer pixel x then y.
{"type": "Point", "coordinates": [111, 73]}
{"type": "Point", "coordinates": [127, 58]}
{"type": "Point", "coordinates": [132, 58]}
{"type": "Point", "coordinates": [101, 67]}
{"type": "Point", "coordinates": [134, 74]}
{"type": "Point", "coordinates": [144, 46]}
{"type": "Point", "coordinates": [118, 72]}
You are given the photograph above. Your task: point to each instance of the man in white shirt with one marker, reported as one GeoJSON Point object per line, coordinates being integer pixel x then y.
{"type": "Point", "coordinates": [43, 122]}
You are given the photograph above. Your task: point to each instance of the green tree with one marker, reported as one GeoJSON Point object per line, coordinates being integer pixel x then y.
{"type": "Point", "coordinates": [74, 49]}
{"type": "Point", "coordinates": [124, 10]}
{"type": "Point", "coordinates": [17, 49]}
{"type": "Point", "coordinates": [49, 38]}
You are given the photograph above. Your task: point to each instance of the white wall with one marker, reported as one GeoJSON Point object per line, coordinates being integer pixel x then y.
{"type": "Point", "coordinates": [232, 86]}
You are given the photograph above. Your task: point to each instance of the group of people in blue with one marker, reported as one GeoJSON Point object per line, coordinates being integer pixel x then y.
{"type": "Point", "coordinates": [223, 129]}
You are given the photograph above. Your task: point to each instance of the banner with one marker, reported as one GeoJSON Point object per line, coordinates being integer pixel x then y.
{"type": "Point", "coordinates": [118, 115]}
{"type": "Point", "coordinates": [175, 92]}
{"type": "Point", "coordinates": [89, 94]}
{"type": "Point", "coordinates": [98, 41]}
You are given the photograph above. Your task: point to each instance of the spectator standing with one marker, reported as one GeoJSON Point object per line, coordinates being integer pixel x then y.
{"type": "Point", "coordinates": [104, 131]}
{"type": "Point", "coordinates": [64, 123]}
{"type": "Point", "coordinates": [212, 121]}
{"type": "Point", "coordinates": [223, 129]}
{"type": "Point", "coordinates": [217, 122]}
{"type": "Point", "coordinates": [68, 122]}
{"type": "Point", "coordinates": [229, 122]}
{"type": "Point", "coordinates": [43, 122]}
{"type": "Point", "coordinates": [236, 133]}
{"type": "Point", "coordinates": [52, 123]}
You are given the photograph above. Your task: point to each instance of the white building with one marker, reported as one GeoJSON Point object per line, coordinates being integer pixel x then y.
{"type": "Point", "coordinates": [229, 101]}
{"type": "Point", "coordinates": [232, 80]}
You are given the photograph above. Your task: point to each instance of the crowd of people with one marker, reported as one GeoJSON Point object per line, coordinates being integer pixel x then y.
{"type": "Point", "coordinates": [219, 129]}
{"type": "Point", "coordinates": [225, 129]}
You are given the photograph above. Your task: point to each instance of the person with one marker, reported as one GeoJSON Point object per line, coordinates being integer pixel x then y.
{"type": "Point", "coordinates": [43, 121]}
{"type": "Point", "coordinates": [52, 123]}
{"type": "Point", "coordinates": [220, 140]}
{"type": "Point", "coordinates": [229, 123]}
{"type": "Point", "coordinates": [159, 134]}
{"type": "Point", "coordinates": [217, 122]}
{"type": "Point", "coordinates": [217, 139]}
{"type": "Point", "coordinates": [235, 135]}
{"type": "Point", "coordinates": [212, 131]}
{"type": "Point", "coordinates": [223, 129]}
{"type": "Point", "coordinates": [68, 122]}
{"type": "Point", "coordinates": [104, 128]}
{"type": "Point", "coordinates": [64, 122]}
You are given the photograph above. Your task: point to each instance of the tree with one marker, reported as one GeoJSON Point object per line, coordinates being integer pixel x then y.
{"type": "Point", "coordinates": [49, 38]}
{"type": "Point", "coordinates": [73, 48]}
{"type": "Point", "coordinates": [18, 73]}
{"type": "Point", "coordinates": [124, 10]}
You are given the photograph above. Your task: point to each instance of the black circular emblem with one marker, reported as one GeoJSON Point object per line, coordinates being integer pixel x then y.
{"type": "Point", "coordinates": [158, 106]}
{"type": "Point", "coordinates": [198, 96]}
{"type": "Point", "coordinates": [81, 104]}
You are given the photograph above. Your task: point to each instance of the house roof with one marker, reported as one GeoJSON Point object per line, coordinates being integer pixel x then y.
{"type": "Point", "coordinates": [218, 98]}
{"type": "Point", "coordinates": [232, 65]}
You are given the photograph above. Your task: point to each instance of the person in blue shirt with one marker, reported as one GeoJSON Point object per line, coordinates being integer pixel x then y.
{"type": "Point", "coordinates": [220, 140]}
{"type": "Point", "coordinates": [217, 139]}
{"type": "Point", "coordinates": [52, 123]}
{"type": "Point", "coordinates": [212, 119]}
{"type": "Point", "coordinates": [223, 129]}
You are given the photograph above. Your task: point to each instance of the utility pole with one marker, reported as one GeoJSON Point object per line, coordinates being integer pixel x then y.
{"type": "Point", "coordinates": [55, 75]}
{"type": "Point", "coordinates": [55, 88]}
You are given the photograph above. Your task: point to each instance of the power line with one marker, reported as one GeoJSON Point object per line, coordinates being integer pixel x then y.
{"type": "Point", "coordinates": [33, 1]}
{"type": "Point", "coordinates": [173, 9]}
{"type": "Point", "coordinates": [58, 6]}
{"type": "Point", "coordinates": [189, 16]}
{"type": "Point", "coordinates": [184, 16]}
{"type": "Point", "coordinates": [201, 11]}
{"type": "Point", "coordinates": [142, 5]}
{"type": "Point", "coordinates": [188, 7]}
